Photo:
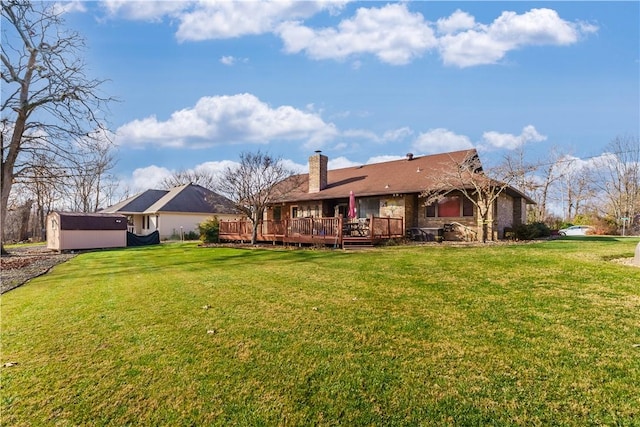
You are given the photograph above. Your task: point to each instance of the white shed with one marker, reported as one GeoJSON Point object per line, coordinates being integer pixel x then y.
{"type": "Point", "coordinates": [73, 231]}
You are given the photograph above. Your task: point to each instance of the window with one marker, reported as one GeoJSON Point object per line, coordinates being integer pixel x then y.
{"type": "Point", "coordinates": [367, 207]}
{"type": "Point", "coordinates": [431, 210]}
{"type": "Point", "coordinates": [450, 207]}
{"type": "Point", "coordinates": [467, 207]}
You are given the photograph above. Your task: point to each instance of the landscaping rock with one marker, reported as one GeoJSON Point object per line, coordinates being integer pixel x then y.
{"type": "Point", "coordinates": [636, 259]}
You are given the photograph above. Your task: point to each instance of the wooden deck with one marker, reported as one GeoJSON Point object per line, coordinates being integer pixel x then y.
{"type": "Point", "coordinates": [336, 232]}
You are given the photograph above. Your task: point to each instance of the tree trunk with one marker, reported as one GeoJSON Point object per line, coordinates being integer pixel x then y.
{"type": "Point", "coordinates": [25, 215]}
{"type": "Point", "coordinates": [254, 232]}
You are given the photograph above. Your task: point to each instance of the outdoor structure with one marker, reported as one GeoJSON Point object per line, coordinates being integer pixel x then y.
{"type": "Point", "coordinates": [77, 230]}
{"type": "Point", "coordinates": [175, 212]}
{"type": "Point", "coordinates": [389, 203]}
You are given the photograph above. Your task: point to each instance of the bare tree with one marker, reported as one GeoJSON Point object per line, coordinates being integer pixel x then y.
{"type": "Point", "coordinates": [202, 178]}
{"type": "Point", "coordinates": [548, 174]}
{"type": "Point", "coordinates": [89, 175]}
{"type": "Point", "coordinates": [467, 177]}
{"type": "Point", "coordinates": [49, 105]}
{"type": "Point", "coordinates": [616, 177]}
{"type": "Point", "coordinates": [44, 187]}
{"type": "Point", "coordinates": [254, 183]}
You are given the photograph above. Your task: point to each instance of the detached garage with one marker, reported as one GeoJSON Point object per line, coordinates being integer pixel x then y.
{"type": "Point", "coordinates": [71, 231]}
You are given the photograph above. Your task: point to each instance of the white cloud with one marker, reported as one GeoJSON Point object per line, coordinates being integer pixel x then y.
{"type": "Point", "coordinates": [341, 162]}
{"type": "Point", "coordinates": [295, 167]}
{"type": "Point", "coordinates": [392, 33]}
{"type": "Point", "coordinates": [69, 7]}
{"type": "Point", "coordinates": [494, 139]}
{"type": "Point", "coordinates": [226, 19]}
{"type": "Point", "coordinates": [570, 165]}
{"type": "Point", "coordinates": [149, 177]}
{"type": "Point", "coordinates": [439, 141]}
{"type": "Point", "coordinates": [228, 60]}
{"type": "Point", "coordinates": [382, 159]}
{"type": "Point", "coordinates": [153, 11]}
{"type": "Point", "coordinates": [488, 44]}
{"type": "Point", "coordinates": [232, 60]}
{"type": "Point", "coordinates": [392, 135]}
{"type": "Point", "coordinates": [228, 119]}
{"type": "Point", "coordinates": [397, 134]}
{"type": "Point", "coordinates": [220, 19]}
{"type": "Point", "coordinates": [397, 36]}
{"type": "Point", "coordinates": [214, 168]}
{"type": "Point", "coordinates": [458, 20]}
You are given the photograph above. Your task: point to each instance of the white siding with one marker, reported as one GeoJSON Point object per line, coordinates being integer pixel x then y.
{"type": "Point", "coordinates": [170, 223]}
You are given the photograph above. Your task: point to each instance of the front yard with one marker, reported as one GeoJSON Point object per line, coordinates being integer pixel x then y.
{"type": "Point", "coordinates": [536, 334]}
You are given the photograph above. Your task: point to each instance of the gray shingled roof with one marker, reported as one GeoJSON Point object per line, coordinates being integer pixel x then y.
{"type": "Point", "coordinates": [189, 198]}
{"type": "Point", "coordinates": [138, 203]}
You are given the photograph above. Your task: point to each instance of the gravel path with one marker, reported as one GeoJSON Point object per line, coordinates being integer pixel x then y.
{"type": "Point", "coordinates": [26, 262]}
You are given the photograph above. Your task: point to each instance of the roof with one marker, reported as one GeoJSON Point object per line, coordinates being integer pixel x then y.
{"type": "Point", "coordinates": [91, 221]}
{"type": "Point", "coordinates": [409, 175]}
{"type": "Point", "coordinates": [188, 198]}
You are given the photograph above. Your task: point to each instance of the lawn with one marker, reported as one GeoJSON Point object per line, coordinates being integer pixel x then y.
{"type": "Point", "coordinates": [533, 334]}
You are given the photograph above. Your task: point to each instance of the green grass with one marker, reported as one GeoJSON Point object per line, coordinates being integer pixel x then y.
{"type": "Point", "coordinates": [536, 334]}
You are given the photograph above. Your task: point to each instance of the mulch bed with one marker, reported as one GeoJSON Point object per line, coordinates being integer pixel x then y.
{"type": "Point", "coordinates": [25, 263]}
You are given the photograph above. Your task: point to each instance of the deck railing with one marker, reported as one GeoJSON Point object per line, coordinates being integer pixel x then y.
{"type": "Point", "coordinates": [311, 230]}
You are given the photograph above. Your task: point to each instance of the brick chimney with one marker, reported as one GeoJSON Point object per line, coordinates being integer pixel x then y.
{"type": "Point", "coordinates": [317, 172]}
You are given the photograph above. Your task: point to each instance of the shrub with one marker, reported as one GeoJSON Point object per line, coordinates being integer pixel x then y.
{"type": "Point", "coordinates": [600, 224]}
{"type": "Point", "coordinates": [531, 231]}
{"type": "Point", "coordinates": [191, 235]}
{"type": "Point", "coordinates": [209, 230]}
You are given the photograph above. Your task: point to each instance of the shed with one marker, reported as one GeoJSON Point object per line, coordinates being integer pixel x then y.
{"type": "Point", "coordinates": [74, 230]}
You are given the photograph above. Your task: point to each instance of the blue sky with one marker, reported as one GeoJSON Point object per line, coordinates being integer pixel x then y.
{"type": "Point", "coordinates": [201, 82]}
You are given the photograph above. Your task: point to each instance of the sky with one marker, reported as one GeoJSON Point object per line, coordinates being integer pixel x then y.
{"type": "Point", "coordinates": [200, 82]}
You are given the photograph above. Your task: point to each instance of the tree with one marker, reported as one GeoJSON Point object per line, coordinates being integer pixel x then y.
{"type": "Point", "coordinates": [542, 184]}
{"type": "Point", "coordinates": [254, 183]}
{"type": "Point", "coordinates": [199, 177]}
{"type": "Point", "coordinates": [467, 177]}
{"type": "Point", "coordinates": [89, 177]}
{"type": "Point", "coordinates": [49, 105]}
{"type": "Point", "coordinates": [45, 188]}
{"type": "Point", "coordinates": [575, 187]}
{"type": "Point", "coordinates": [616, 177]}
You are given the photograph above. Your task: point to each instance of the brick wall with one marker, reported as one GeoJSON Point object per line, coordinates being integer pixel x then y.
{"type": "Point", "coordinates": [317, 172]}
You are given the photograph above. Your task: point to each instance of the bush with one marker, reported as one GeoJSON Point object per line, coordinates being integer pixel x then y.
{"type": "Point", "coordinates": [531, 231]}
{"type": "Point", "coordinates": [600, 225]}
{"type": "Point", "coordinates": [209, 230]}
{"type": "Point", "coordinates": [191, 235]}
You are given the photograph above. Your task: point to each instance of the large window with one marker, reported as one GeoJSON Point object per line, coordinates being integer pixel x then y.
{"type": "Point", "coordinates": [455, 206]}
{"type": "Point", "coordinates": [449, 206]}
{"type": "Point", "coordinates": [368, 206]}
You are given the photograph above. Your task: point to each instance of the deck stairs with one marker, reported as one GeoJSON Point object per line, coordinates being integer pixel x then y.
{"type": "Point", "coordinates": [356, 243]}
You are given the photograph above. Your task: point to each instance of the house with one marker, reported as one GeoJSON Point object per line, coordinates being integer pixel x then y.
{"type": "Point", "coordinates": [173, 213]}
{"type": "Point", "coordinates": [78, 230]}
{"type": "Point", "coordinates": [395, 189]}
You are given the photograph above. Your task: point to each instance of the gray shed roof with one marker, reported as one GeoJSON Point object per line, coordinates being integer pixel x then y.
{"type": "Point", "coordinates": [91, 221]}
